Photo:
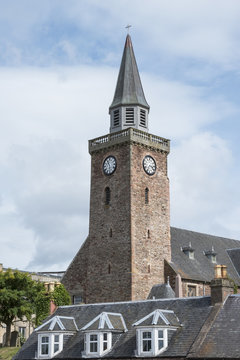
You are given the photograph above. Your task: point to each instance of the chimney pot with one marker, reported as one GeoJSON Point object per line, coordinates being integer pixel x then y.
{"type": "Point", "coordinates": [221, 286]}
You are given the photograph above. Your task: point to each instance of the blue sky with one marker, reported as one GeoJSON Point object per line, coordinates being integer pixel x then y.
{"type": "Point", "coordinates": [59, 63]}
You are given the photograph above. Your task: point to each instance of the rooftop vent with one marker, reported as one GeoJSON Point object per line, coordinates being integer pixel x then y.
{"type": "Point", "coordinates": [189, 251]}
{"type": "Point", "coordinates": [211, 255]}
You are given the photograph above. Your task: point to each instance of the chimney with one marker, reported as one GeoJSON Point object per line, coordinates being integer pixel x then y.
{"type": "Point", "coordinates": [221, 286]}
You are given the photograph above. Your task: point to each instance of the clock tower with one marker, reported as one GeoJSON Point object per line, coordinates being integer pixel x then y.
{"type": "Point", "coordinates": [129, 227]}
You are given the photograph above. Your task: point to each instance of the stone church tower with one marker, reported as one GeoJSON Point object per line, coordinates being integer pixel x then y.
{"type": "Point", "coordinates": [129, 228]}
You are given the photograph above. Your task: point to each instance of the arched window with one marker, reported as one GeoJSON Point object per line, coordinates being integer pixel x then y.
{"type": "Point", "coordinates": [109, 268]}
{"type": "Point", "coordinates": [110, 232]}
{"type": "Point", "coordinates": [107, 196]}
{"type": "Point", "coordinates": [149, 268]}
{"type": "Point", "coordinates": [148, 234]}
{"type": "Point", "coordinates": [146, 195]}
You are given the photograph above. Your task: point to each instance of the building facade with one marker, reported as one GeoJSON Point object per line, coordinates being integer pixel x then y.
{"type": "Point", "coordinates": [130, 246]}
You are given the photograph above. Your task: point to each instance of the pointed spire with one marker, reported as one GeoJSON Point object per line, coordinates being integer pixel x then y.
{"type": "Point", "coordinates": [129, 93]}
{"type": "Point", "coordinates": [129, 89]}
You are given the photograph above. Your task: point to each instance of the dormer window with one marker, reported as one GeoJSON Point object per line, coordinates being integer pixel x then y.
{"type": "Point", "coordinates": [189, 251]}
{"type": "Point", "coordinates": [152, 332]}
{"type": "Point", "coordinates": [98, 333]}
{"type": "Point", "coordinates": [211, 255]}
{"type": "Point", "coordinates": [152, 342]}
{"type": "Point", "coordinates": [49, 345]}
{"type": "Point", "coordinates": [97, 343]}
{"type": "Point", "coordinates": [51, 335]}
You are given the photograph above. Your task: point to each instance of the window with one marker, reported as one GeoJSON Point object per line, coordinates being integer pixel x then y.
{"type": "Point", "coordinates": [107, 196]}
{"type": "Point", "coordinates": [77, 299]}
{"type": "Point", "coordinates": [45, 345]}
{"type": "Point", "coordinates": [149, 269]}
{"type": "Point", "coordinates": [129, 116]}
{"type": "Point", "coordinates": [116, 118]}
{"type": "Point", "coordinates": [146, 196]}
{"type": "Point", "coordinates": [191, 290]}
{"type": "Point", "coordinates": [93, 342]}
{"type": "Point", "coordinates": [49, 345]}
{"type": "Point", "coordinates": [151, 341]}
{"type": "Point", "coordinates": [147, 341]}
{"type": "Point", "coordinates": [105, 342]}
{"type": "Point", "coordinates": [160, 339]}
{"type": "Point", "coordinates": [56, 343]}
{"type": "Point", "coordinates": [148, 234]}
{"type": "Point", "coordinates": [110, 232]}
{"type": "Point", "coordinates": [22, 331]}
{"type": "Point", "coordinates": [109, 268]}
{"type": "Point", "coordinates": [143, 117]}
{"type": "Point", "coordinates": [97, 343]}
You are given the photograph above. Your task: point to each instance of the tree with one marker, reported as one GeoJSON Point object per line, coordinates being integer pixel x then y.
{"type": "Point", "coordinates": [21, 297]}
{"type": "Point", "coordinates": [60, 296]}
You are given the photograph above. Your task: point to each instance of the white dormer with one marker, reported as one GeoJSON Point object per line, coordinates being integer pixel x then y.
{"type": "Point", "coordinates": [51, 335]}
{"type": "Point", "coordinates": [153, 330]}
{"type": "Point", "coordinates": [98, 333]}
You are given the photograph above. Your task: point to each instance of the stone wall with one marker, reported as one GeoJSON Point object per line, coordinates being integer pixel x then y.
{"type": "Point", "coordinates": [128, 239]}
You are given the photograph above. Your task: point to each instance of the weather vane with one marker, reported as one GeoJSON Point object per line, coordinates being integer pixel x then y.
{"type": "Point", "coordinates": [127, 27]}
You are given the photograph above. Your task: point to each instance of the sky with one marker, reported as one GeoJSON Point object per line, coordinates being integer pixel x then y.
{"type": "Point", "coordinates": [59, 62]}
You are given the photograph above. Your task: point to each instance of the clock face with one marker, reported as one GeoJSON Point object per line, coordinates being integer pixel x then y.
{"type": "Point", "coordinates": [109, 165]}
{"type": "Point", "coordinates": [149, 165]}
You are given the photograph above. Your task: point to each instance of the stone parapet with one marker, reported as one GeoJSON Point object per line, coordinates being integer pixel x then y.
{"type": "Point", "coordinates": [127, 136]}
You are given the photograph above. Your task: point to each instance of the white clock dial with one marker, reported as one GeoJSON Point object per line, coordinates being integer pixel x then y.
{"type": "Point", "coordinates": [109, 165]}
{"type": "Point", "coordinates": [149, 165]}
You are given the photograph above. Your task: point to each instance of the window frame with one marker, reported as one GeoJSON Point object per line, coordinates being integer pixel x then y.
{"type": "Point", "coordinates": [154, 340]}
{"type": "Point", "coordinates": [51, 344]}
{"type": "Point", "coordinates": [100, 343]}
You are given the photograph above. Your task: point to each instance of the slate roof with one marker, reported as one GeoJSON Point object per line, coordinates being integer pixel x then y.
{"type": "Point", "coordinates": [129, 90]}
{"type": "Point", "coordinates": [191, 313]}
{"type": "Point", "coordinates": [201, 268]}
{"type": "Point", "coordinates": [223, 338]}
{"type": "Point", "coordinates": [161, 291]}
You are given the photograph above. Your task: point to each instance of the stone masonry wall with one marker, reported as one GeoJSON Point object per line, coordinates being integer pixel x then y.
{"type": "Point", "coordinates": [109, 258]}
{"type": "Point", "coordinates": [128, 239]}
{"type": "Point", "coordinates": [150, 224]}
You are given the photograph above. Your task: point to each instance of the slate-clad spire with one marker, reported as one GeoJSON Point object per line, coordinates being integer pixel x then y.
{"type": "Point", "coordinates": [129, 107]}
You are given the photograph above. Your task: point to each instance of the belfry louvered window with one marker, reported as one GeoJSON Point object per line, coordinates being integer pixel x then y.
{"type": "Point", "coordinates": [116, 117]}
{"type": "Point", "coordinates": [142, 117]}
{"type": "Point", "coordinates": [129, 116]}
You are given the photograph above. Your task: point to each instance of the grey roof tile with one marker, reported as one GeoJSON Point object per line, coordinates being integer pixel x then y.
{"type": "Point", "coordinates": [201, 268]}
{"type": "Point", "coordinates": [223, 338]}
{"type": "Point", "coordinates": [191, 312]}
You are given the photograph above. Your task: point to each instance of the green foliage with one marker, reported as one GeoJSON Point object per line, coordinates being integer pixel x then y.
{"type": "Point", "coordinates": [60, 296]}
{"type": "Point", "coordinates": [21, 297]}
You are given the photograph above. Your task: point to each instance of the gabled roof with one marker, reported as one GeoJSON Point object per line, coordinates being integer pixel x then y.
{"type": "Point", "coordinates": [201, 268]}
{"type": "Point", "coordinates": [159, 317]}
{"type": "Point", "coordinates": [58, 323]}
{"type": "Point", "coordinates": [106, 321]}
{"type": "Point", "coordinates": [129, 89]}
